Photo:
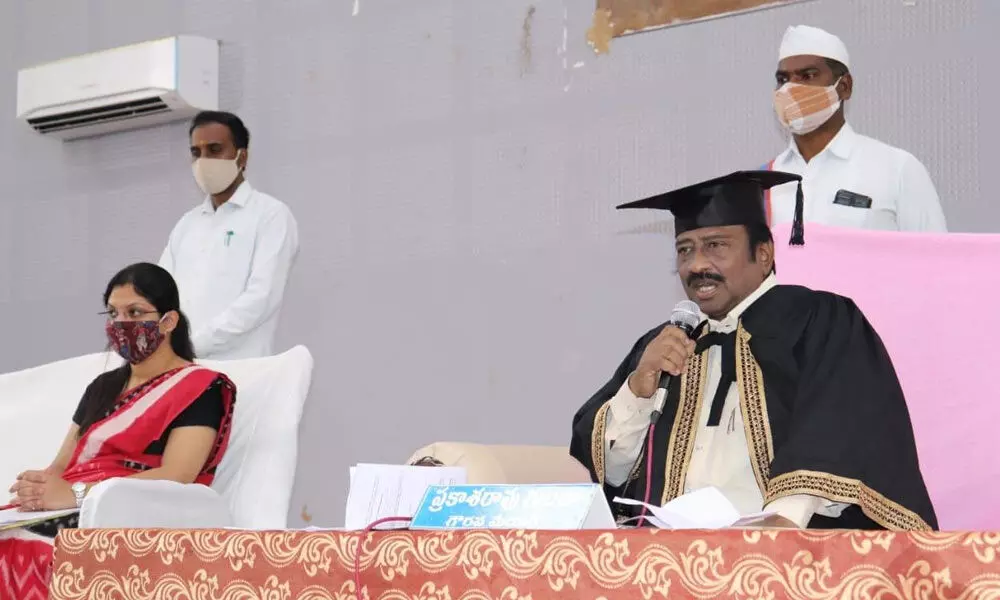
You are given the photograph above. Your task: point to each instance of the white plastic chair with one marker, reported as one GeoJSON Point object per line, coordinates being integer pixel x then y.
{"type": "Point", "coordinates": [253, 485]}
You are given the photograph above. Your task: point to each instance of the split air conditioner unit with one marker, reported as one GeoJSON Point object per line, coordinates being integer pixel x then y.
{"type": "Point", "coordinates": [124, 88]}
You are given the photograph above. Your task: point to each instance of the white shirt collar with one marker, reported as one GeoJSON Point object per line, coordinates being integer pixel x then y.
{"type": "Point", "coordinates": [732, 319]}
{"type": "Point", "coordinates": [841, 146]}
{"type": "Point", "coordinates": [239, 198]}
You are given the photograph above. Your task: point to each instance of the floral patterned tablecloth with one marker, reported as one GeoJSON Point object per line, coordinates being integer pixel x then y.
{"type": "Point", "coordinates": [510, 565]}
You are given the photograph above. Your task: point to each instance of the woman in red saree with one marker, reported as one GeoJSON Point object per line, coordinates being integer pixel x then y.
{"type": "Point", "coordinates": [158, 417]}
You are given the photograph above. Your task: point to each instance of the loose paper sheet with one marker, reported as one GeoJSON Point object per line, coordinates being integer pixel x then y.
{"type": "Point", "coordinates": [706, 508]}
{"type": "Point", "coordinates": [380, 491]}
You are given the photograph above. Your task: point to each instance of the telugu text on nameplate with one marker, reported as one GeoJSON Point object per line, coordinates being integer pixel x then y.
{"type": "Point", "coordinates": [545, 506]}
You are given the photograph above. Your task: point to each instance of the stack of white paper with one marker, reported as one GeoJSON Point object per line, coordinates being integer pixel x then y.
{"type": "Point", "coordinates": [706, 508]}
{"type": "Point", "coordinates": [380, 491]}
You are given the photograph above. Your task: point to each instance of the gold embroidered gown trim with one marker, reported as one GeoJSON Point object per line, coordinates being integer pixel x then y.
{"type": "Point", "coordinates": [685, 427]}
{"type": "Point", "coordinates": [597, 440]}
{"type": "Point", "coordinates": [753, 404]}
{"type": "Point", "coordinates": [760, 442]}
{"type": "Point", "coordinates": [753, 401]}
{"type": "Point", "coordinates": [887, 513]}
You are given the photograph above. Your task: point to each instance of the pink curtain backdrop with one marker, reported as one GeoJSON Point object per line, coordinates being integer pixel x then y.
{"type": "Point", "coordinates": [933, 300]}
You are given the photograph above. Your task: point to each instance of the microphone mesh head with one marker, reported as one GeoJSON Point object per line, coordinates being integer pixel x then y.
{"type": "Point", "coordinates": [686, 315]}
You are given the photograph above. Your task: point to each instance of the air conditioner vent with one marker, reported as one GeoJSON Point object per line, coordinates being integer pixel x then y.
{"type": "Point", "coordinates": [101, 114]}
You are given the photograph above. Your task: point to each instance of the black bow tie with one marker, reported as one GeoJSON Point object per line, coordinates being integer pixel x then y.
{"type": "Point", "coordinates": [727, 342]}
{"type": "Point", "coordinates": [714, 338]}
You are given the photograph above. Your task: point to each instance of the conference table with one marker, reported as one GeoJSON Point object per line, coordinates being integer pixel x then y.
{"type": "Point", "coordinates": [515, 565]}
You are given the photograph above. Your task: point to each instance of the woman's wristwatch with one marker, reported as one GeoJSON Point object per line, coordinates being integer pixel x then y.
{"type": "Point", "coordinates": [79, 492]}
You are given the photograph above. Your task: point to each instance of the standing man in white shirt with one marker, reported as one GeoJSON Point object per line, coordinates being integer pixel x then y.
{"type": "Point", "coordinates": [231, 254]}
{"type": "Point", "coordinates": [849, 180]}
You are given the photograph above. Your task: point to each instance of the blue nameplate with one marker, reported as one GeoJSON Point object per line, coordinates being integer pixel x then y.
{"type": "Point", "coordinates": [543, 506]}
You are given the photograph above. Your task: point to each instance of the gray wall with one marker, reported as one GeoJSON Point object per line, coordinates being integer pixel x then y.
{"type": "Point", "coordinates": [453, 170]}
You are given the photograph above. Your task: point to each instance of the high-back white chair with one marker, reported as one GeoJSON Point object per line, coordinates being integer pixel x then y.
{"type": "Point", "coordinates": [253, 485]}
{"type": "Point", "coordinates": [36, 410]}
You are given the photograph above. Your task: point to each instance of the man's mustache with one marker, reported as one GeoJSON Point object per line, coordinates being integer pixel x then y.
{"type": "Point", "coordinates": [696, 278]}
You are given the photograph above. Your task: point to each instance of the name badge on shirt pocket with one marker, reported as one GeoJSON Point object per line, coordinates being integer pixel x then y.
{"type": "Point", "coordinates": [846, 198]}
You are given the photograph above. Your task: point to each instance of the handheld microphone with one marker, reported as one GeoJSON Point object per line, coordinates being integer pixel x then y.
{"type": "Point", "coordinates": [686, 317]}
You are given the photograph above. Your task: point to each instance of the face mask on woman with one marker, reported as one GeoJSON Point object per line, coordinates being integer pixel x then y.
{"type": "Point", "coordinates": [135, 341]}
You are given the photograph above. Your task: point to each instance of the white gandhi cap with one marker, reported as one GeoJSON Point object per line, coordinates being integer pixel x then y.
{"type": "Point", "coordinates": [802, 40]}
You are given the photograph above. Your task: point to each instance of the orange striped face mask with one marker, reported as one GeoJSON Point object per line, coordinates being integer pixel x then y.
{"type": "Point", "coordinates": [804, 108]}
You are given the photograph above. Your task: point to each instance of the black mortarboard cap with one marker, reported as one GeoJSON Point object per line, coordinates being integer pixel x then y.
{"type": "Point", "coordinates": [735, 199]}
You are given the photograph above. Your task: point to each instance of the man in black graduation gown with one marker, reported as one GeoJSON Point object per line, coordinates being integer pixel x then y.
{"type": "Point", "coordinates": [787, 402]}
